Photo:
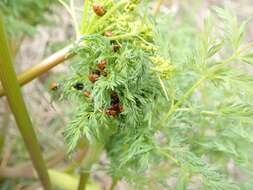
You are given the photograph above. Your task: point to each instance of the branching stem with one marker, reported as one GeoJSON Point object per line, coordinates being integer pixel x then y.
{"type": "Point", "coordinates": [209, 73]}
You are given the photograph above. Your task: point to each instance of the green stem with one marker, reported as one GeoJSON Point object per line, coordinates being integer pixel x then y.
{"type": "Point", "coordinates": [92, 21]}
{"type": "Point", "coordinates": [114, 183]}
{"type": "Point", "coordinates": [210, 72]}
{"type": "Point", "coordinates": [83, 180]}
{"type": "Point", "coordinates": [18, 108]}
{"type": "Point", "coordinates": [181, 101]}
{"type": "Point", "coordinates": [84, 24]}
{"type": "Point", "coordinates": [3, 133]}
{"type": "Point", "coordinates": [204, 112]}
{"type": "Point", "coordinates": [71, 11]}
{"type": "Point", "coordinates": [92, 157]}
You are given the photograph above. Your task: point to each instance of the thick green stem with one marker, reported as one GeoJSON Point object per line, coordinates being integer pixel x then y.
{"type": "Point", "coordinates": [83, 180]}
{"type": "Point", "coordinates": [92, 157]}
{"type": "Point", "coordinates": [18, 108]}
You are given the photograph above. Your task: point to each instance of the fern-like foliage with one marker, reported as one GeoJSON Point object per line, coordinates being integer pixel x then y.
{"type": "Point", "coordinates": [183, 98]}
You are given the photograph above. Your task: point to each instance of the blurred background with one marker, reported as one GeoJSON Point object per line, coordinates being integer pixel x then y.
{"type": "Point", "coordinates": [50, 118]}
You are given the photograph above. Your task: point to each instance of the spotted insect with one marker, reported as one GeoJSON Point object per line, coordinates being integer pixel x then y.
{"type": "Point", "coordinates": [98, 9]}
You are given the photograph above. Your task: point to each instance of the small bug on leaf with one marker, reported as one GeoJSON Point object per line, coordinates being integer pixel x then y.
{"type": "Point", "coordinates": [117, 107]}
{"type": "Point", "coordinates": [111, 113]}
{"type": "Point", "coordinates": [93, 77]}
{"type": "Point", "coordinates": [104, 73]}
{"type": "Point", "coordinates": [87, 93]}
{"type": "Point", "coordinates": [78, 86]}
{"type": "Point", "coordinates": [114, 98]}
{"type": "Point", "coordinates": [114, 107]}
{"type": "Point", "coordinates": [53, 85]}
{"type": "Point", "coordinates": [98, 9]}
{"type": "Point", "coordinates": [102, 64]}
{"type": "Point", "coordinates": [108, 34]}
{"type": "Point", "coordinates": [121, 108]}
{"type": "Point", "coordinates": [116, 47]}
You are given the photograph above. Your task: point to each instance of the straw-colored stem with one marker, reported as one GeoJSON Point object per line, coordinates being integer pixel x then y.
{"type": "Point", "coordinates": [43, 66]}
{"type": "Point", "coordinates": [50, 62]}
{"type": "Point", "coordinates": [16, 102]}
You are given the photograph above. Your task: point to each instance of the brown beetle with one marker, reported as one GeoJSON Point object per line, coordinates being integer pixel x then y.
{"type": "Point", "coordinates": [98, 9]}
{"type": "Point", "coordinates": [54, 85]}
{"type": "Point", "coordinates": [87, 93]}
{"type": "Point", "coordinates": [111, 113]}
{"type": "Point", "coordinates": [102, 64]}
{"type": "Point", "coordinates": [116, 47]}
{"type": "Point", "coordinates": [114, 98]}
{"type": "Point", "coordinates": [93, 77]}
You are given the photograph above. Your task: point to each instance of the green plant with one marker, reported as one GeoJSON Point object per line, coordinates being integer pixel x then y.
{"type": "Point", "coordinates": [154, 80]}
{"type": "Point", "coordinates": [170, 109]}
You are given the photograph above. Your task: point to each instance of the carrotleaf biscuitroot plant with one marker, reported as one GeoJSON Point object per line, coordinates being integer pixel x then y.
{"type": "Point", "coordinates": [170, 109]}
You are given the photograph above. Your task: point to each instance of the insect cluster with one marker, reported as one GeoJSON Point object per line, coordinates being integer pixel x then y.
{"type": "Point", "coordinates": [113, 86]}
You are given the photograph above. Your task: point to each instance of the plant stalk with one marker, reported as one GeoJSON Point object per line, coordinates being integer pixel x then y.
{"type": "Point", "coordinates": [43, 66]}
{"type": "Point", "coordinates": [50, 62]}
{"type": "Point", "coordinates": [114, 183]}
{"type": "Point", "coordinates": [92, 157]}
{"type": "Point", "coordinates": [84, 24]}
{"type": "Point", "coordinates": [4, 129]}
{"type": "Point", "coordinates": [17, 105]}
